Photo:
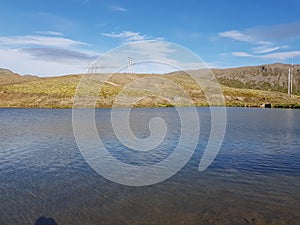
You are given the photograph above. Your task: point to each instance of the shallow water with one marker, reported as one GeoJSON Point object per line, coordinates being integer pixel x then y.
{"type": "Point", "coordinates": [255, 178]}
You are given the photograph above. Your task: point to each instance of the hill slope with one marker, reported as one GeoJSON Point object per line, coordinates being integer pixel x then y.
{"type": "Point", "coordinates": [8, 77]}
{"type": "Point", "coordinates": [273, 77]}
{"type": "Point", "coordinates": [58, 92]}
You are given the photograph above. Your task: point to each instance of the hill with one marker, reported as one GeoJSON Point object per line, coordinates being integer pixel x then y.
{"type": "Point", "coordinates": [245, 86]}
{"type": "Point", "coordinates": [8, 77]}
{"type": "Point", "coordinates": [273, 77]}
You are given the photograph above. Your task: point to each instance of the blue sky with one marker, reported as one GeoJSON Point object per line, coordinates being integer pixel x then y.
{"type": "Point", "coordinates": [63, 36]}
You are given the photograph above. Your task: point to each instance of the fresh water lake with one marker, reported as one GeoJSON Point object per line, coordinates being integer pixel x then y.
{"type": "Point", "coordinates": [255, 178]}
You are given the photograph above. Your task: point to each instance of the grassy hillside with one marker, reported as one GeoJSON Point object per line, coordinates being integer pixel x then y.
{"type": "Point", "coordinates": [58, 92]}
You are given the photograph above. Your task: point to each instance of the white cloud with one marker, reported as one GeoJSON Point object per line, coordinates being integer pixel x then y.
{"type": "Point", "coordinates": [39, 40]}
{"type": "Point", "coordinates": [24, 63]}
{"type": "Point", "coordinates": [149, 57]}
{"type": "Point", "coordinates": [127, 36]}
{"type": "Point", "coordinates": [236, 35]}
{"type": "Point", "coordinates": [264, 42]}
{"type": "Point", "coordinates": [130, 36]}
{"type": "Point", "coordinates": [118, 8]}
{"type": "Point", "coordinates": [54, 33]}
{"type": "Point", "coordinates": [44, 55]}
{"type": "Point", "coordinates": [241, 54]}
{"type": "Point", "coordinates": [281, 55]}
{"type": "Point", "coordinates": [263, 49]}
{"type": "Point", "coordinates": [274, 56]}
{"type": "Point", "coordinates": [261, 46]}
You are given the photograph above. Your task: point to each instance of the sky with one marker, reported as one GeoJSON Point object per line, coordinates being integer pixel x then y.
{"type": "Point", "coordinates": [55, 37]}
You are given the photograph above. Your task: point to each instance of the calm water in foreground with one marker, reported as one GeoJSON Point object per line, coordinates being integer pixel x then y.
{"type": "Point", "coordinates": [255, 178]}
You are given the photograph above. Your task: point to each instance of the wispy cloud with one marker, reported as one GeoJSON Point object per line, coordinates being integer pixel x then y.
{"type": "Point", "coordinates": [241, 54]}
{"type": "Point", "coordinates": [28, 63]}
{"type": "Point", "coordinates": [243, 36]}
{"type": "Point", "coordinates": [259, 35]}
{"type": "Point", "coordinates": [117, 8]}
{"type": "Point", "coordinates": [54, 33]}
{"type": "Point", "coordinates": [236, 35]}
{"type": "Point", "coordinates": [265, 49]}
{"type": "Point", "coordinates": [57, 54]}
{"type": "Point", "coordinates": [266, 42]}
{"type": "Point", "coordinates": [258, 47]}
{"type": "Point", "coordinates": [39, 40]}
{"type": "Point", "coordinates": [281, 55]}
{"type": "Point", "coordinates": [130, 36]}
{"type": "Point", "coordinates": [48, 54]}
{"type": "Point", "coordinates": [274, 56]}
{"type": "Point", "coordinates": [127, 36]}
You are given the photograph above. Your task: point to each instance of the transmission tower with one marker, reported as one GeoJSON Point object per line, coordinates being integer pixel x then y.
{"type": "Point", "coordinates": [290, 80]}
{"type": "Point", "coordinates": [130, 65]}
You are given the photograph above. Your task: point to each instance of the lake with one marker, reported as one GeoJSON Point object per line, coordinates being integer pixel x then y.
{"type": "Point", "coordinates": [255, 178]}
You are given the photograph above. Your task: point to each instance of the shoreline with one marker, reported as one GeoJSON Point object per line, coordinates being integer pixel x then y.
{"type": "Point", "coordinates": [273, 106]}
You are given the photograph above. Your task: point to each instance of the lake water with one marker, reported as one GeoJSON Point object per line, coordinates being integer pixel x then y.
{"type": "Point", "coordinates": [255, 178]}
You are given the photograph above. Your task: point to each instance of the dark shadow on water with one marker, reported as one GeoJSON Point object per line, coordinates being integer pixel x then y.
{"type": "Point", "coordinates": [45, 221]}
